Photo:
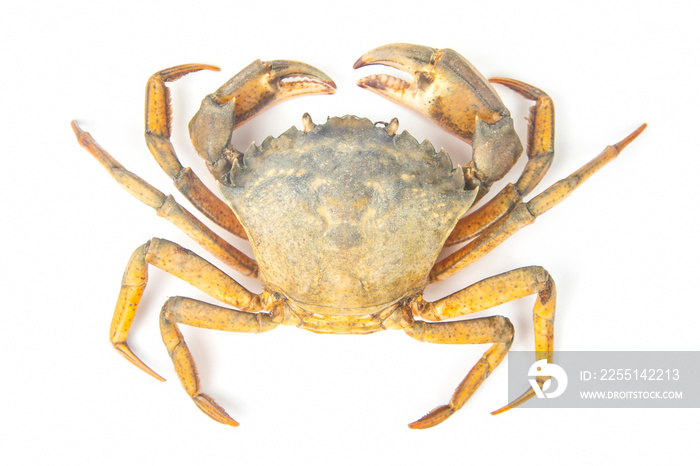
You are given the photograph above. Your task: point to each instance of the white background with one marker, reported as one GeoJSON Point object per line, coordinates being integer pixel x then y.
{"type": "Point", "coordinates": [623, 249]}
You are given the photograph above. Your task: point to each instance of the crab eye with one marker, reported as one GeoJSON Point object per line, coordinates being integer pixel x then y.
{"type": "Point", "coordinates": [390, 127]}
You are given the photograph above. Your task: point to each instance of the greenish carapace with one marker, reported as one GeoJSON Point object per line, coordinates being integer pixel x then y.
{"type": "Point", "coordinates": [347, 215]}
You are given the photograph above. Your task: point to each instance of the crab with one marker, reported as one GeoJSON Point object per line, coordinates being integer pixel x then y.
{"type": "Point", "coordinates": [347, 219]}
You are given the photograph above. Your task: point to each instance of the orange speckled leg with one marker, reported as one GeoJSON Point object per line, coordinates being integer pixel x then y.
{"type": "Point", "coordinates": [540, 152]}
{"type": "Point", "coordinates": [181, 263]}
{"type": "Point", "coordinates": [203, 315]}
{"type": "Point", "coordinates": [497, 330]}
{"type": "Point", "coordinates": [540, 144]}
{"type": "Point", "coordinates": [158, 118]}
{"type": "Point", "coordinates": [167, 207]}
{"type": "Point", "coordinates": [524, 213]}
{"type": "Point", "coordinates": [485, 294]}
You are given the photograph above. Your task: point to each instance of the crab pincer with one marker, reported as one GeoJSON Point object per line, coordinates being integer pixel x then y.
{"type": "Point", "coordinates": [257, 86]}
{"type": "Point", "coordinates": [447, 88]}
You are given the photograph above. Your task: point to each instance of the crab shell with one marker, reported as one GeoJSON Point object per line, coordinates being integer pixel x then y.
{"type": "Point", "coordinates": [346, 218]}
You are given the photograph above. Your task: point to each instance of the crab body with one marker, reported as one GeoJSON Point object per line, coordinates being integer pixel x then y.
{"type": "Point", "coordinates": [347, 219]}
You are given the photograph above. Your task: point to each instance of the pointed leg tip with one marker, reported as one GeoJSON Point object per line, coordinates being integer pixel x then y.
{"type": "Point", "coordinates": [83, 137]}
{"type": "Point", "coordinates": [517, 402]}
{"type": "Point", "coordinates": [500, 410]}
{"type": "Point", "coordinates": [176, 72]}
{"type": "Point", "coordinates": [212, 409]}
{"type": "Point", "coordinates": [526, 90]}
{"type": "Point", "coordinates": [625, 142]}
{"type": "Point", "coordinates": [433, 418]}
{"type": "Point", "coordinates": [421, 424]}
{"type": "Point", "coordinates": [77, 130]}
{"type": "Point", "coordinates": [199, 67]}
{"type": "Point", "coordinates": [125, 351]}
{"type": "Point", "coordinates": [228, 421]}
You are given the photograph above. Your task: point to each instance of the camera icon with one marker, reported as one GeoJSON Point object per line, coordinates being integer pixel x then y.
{"type": "Point", "coordinates": [542, 368]}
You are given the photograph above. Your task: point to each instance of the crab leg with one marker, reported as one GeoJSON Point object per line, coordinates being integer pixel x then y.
{"type": "Point", "coordinates": [203, 315]}
{"type": "Point", "coordinates": [158, 127]}
{"type": "Point", "coordinates": [540, 144]}
{"type": "Point", "coordinates": [497, 330]}
{"type": "Point", "coordinates": [486, 294]}
{"type": "Point", "coordinates": [523, 214]}
{"type": "Point", "coordinates": [476, 222]}
{"type": "Point", "coordinates": [540, 152]}
{"type": "Point", "coordinates": [181, 263]}
{"type": "Point", "coordinates": [449, 90]}
{"type": "Point", "coordinates": [167, 207]}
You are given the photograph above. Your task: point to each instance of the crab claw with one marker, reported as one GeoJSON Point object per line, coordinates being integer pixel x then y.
{"type": "Point", "coordinates": [265, 83]}
{"type": "Point", "coordinates": [445, 86]}
{"type": "Point", "coordinates": [257, 86]}
{"type": "Point", "coordinates": [448, 89]}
